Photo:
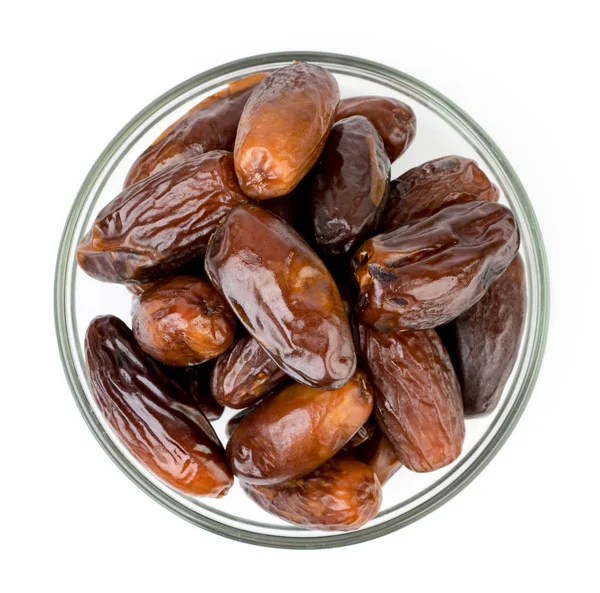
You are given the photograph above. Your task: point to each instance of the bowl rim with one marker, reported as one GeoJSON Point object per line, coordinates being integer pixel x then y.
{"type": "Point", "coordinates": [493, 157]}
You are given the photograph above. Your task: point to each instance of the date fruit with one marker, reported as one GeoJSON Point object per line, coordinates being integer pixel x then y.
{"type": "Point", "coordinates": [284, 296]}
{"type": "Point", "coordinates": [341, 495]}
{"type": "Point", "coordinates": [244, 374]}
{"type": "Point", "coordinates": [183, 321]}
{"type": "Point", "coordinates": [210, 125]}
{"type": "Point", "coordinates": [194, 381]}
{"type": "Point", "coordinates": [283, 129]}
{"type": "Point", "coordinates": [379, 454]}
{"type": "Point", "coordinates": [173, 440]}
{"type": "Point", "coordinates": [350, 185]}
{"type": "Point", "coordinates": [395, 121]}
{"type": "Point", "coordinates": [429, 271]}
{"type": "Point", "coordinates": [428, 188]}
{"type": "Point", "coordinates": [484, 341]}
{"type": "Point", "coordinates": [293, 432]}
{"type": "Point", "coordinates": [161, 223]}
{"type": "Point", "coordinates": [362, 435]}
{"type": "Point", "coordinates": [418, 403]}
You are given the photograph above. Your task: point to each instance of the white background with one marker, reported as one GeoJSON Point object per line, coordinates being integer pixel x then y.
{"type": "Point", "coordinates": [74, 72]}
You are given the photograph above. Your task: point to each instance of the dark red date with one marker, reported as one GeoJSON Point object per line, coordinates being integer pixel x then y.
{"type": "Point", "coordinates": [428, 272]}
{"type": "Point", "coordinates": [173, 440]}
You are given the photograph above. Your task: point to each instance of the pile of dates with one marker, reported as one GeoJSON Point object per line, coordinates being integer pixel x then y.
{"type": "Point", "coordinates": [354, 320]}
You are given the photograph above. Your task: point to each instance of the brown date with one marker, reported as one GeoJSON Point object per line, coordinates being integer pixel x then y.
{"type": "Point", "coordinates": [341, 495]}
{"type": "Point", "coordinates": [285, 207]}
{"type": "Point", "coordinates": [244, 374]}
{"type": "Point", "coordinates": [194, 381]}
{"type": "Point", "coordinates": [171, 439]}
{"type": "Point", "coordinates": [379, 454]}
{"type": "Point", "coordinates": [283, 129]}
{"type": "Point", "coordinates": [161, 223]}
{"type": "Point", "coordinates": [362, 435]}
{"type": "Point", "coordinates": [418, 403]}
{"type": "Point", "coordinates": [484, 341]}
{"type": "Point", "coordinates": [429, 271]}
{"type": "Point", "coordinates": [194, 268]}
{"type": "Point", "coordinates": [284, 296]}
{"type": "Point", "coordinates": [394, 120]}
{"type": "Point", "coordinates": [350, 185]}
{"type": "Point", "coordinates": [233, 422]}
{"type": "Point", "coordinates": [428, 188]}
{"type": "Point", "coordinates": [183, 321]}
{"type": "Point", "coordinates": [210, 125]}
{"type": "Point", "coordinates": [293, 432]}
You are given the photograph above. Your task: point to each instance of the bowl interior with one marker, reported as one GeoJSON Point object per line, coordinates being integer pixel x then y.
{"type": "Point", "coordinates": [442, 129]}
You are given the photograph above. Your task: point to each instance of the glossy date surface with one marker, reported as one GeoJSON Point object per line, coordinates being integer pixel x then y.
{"type": "Point", "coordinates": [161, 223]}
{"type": "Point", "coordinates": [244, 374]}
{"type": "Point", "coordinates": [283, 128]}
{"type": "Point", "coordinates": [429, 271]}
{"type": "Point", "coordinates": [418, 403]}
{"type": "Point", "coordinates": [426, 189]}
{"type": "Point", "coordinates": [394, 120]}
{"type": "Point", "coordinates": [284, 295]}
{"type": "Point", "coordinates": [296, 430]}
{"type": "Point", "coordinates": [144, 407]}
{"type": "Point", "coordinates": [484, 341]}
{"type": "Point", "coordinates": [348, 187]}
{"type": "Point", "coordinates": [183, 321]}
{"type": "Point", "coordinates": [210, 125]}
{"type": "Point", "coordinates": [343, 494]}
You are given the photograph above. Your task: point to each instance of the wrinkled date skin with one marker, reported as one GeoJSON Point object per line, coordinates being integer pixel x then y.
{"type": "Point", "coordinates": [418, 404]}
{"type": "Point", "coordinates": [195, 382]}
{"type": "Point", "coordinates": [343, 494]}
{"type": "Point", "coordinates": [284, 296]}
{"type": "Point", "coordinates": [428, 188]}
{"type": "Point", "coordinates": [379, 454]}
{"type": "Point", "coordinates": [428, 272]}
{"type": "Point", "coordinates": [350, 185]}
{"type": "Point", "coordinates": [484, 341]}
{"type": "Point", "coordinates": [245, 374]}
{"type": "Point", "coordinates": [173, 440]}
{"type": "Point", "coordinates": [283, 129]}
{"type": "Point", "coordinates": [296, 430]}
{"type": "Point", "coordinates": [183, 321]}
{"type": "Point", "coordinates": [162, 222]}
{"type": "Point", "coordinates": [210, 125]}
{"type": "Point", "coordinates": [395, 121]}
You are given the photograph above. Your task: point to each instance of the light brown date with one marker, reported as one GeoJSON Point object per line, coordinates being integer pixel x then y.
{"type": "Point", "coordinates": [394, 120]}
{"type": "Point", "coordinates": [283, 129]}
{"type": "Point", "coordinates": [341, 495]}
{"type": "Point", "coordinates": [210, 125]}
{"type": "Point", "coordinates": [291, 433]}
{"type": "Point", "coordinates": [244, 374]}
{"type": "Point", "coordinates": [418, 403]}
{"type": "Point", "coordinates": [144, 407]}
{"type": "Point", "coordinates": [161, 223]}
{"type": "Point", "coordinates": [426, 189]}
{"type": "Point", "coordinates": [183, 321]}
{"type": "Point", "coordinates": [429, 271]}
{"type": "Point", "coordinates": [284, 295]}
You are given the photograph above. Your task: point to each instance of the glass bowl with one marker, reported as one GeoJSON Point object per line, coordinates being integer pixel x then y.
{"type": "Point", "coordinates": [442, 129]}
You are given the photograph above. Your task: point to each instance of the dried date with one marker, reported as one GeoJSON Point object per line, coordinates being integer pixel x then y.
{"type": "Point", "coordinates": [394, 120]}
{"type": "Point", "coordinates": [293, 432]}
{"type": "Point", "coordinates": [341, 495]}
{"type": "Point", "coordinates": [283, 129]}
{"type": "Point", "coordinates": [418, 403]}
{"type": "Point", "coordinates": [210, 125]}
{"type": "Point", "coordinates": [379, 454]}
{"type": "Point", "coordinates": [349, 187]}
{"type": "Point", "coordinates": [173, 440]}
{"type": "Point", "coordinates": [183, 321]}
{"type": "Point", "coordinates": [284, 296]}
{"type": "Point", "coordinates": [428, 272]}
{"type": "Point", "coordinates": [484, 341]}
{"type": "Point", "coordinates": [428, 188]}
{"type": "Point", "coordinates": [161, 223]}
